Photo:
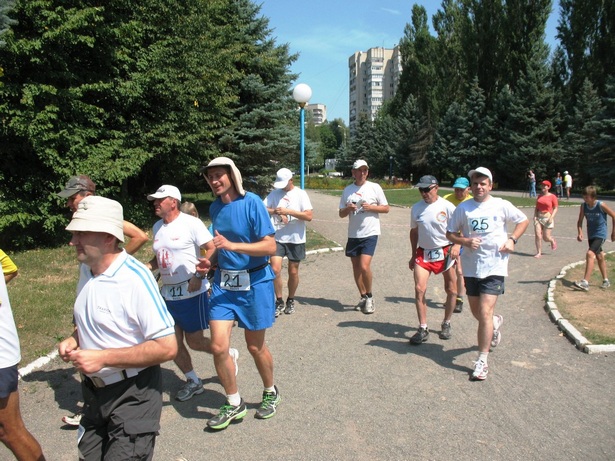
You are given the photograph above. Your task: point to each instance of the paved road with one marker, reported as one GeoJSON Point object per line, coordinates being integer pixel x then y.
{"type": "Point", "coordinates": [353, 388]}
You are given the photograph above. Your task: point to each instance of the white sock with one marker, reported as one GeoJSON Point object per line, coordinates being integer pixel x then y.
{"type": "Point", "coordinates": [270, 389]}
{"type": "Point", "coordinates": [482, 356]}
{"type": "Point", "coordinates": [192, 375]}
{"type": "Point", "coordinates": [234, 399]}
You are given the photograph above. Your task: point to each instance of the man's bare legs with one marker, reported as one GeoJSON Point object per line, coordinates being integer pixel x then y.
{"type": "Point", "coordinates": [13, 432]}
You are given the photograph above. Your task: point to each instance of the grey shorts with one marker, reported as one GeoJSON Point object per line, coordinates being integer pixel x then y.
{"type": "Point", "coordinates": [293, 251]}
{"type": "Point", "coordinates": [492, 285]}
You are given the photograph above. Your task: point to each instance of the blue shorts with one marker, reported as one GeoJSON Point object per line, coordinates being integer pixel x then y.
{"type": "Point", "coordinates": [492, 285]}
{"type": "Point", "coordinates": [361, 246]}
{"type": "Point", "coordinates": [293, 251]}
{"type": "Point", "coordinates": [595, 245]}
{"type": "Point", "coordinates": [8, 381]}
{"type": "Point", "coordinates": [190, 314]}
{"type": "Point", "coordinates": [253, 309]}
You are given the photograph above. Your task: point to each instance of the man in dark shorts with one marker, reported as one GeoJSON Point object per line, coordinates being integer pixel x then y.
{"type": "Point", "coordinates": [480, 226]}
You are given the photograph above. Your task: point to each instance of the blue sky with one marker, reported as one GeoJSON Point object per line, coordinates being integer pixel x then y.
{"type": "Point", "coordinates": [326, 32]}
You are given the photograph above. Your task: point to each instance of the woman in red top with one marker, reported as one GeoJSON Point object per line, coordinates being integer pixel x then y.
{"type": "Point", "coordinates": [544, 215]}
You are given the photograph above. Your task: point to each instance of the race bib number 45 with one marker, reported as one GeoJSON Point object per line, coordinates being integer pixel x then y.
{"type": "Point", "coordinates": [234, 280]}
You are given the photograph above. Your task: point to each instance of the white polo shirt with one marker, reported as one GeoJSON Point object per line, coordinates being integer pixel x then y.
{"type": "Point", "coordinates": [121, 307]}
{"type": "Point", "coordinates": [295, 199]}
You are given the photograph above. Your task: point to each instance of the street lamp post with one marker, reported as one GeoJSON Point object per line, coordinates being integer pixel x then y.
{"type": "Point", "coordinates": [302, 94]}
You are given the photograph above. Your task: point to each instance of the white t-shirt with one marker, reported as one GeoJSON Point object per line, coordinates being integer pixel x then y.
{"type": "Point", "coordinates": [362, 223]}
{"type": "Point", "coordinates": [295, 199]}
{"type": "Point", "coordinates": [121, 307]}
{"type": "Point", "coordinates": [567, 181]}
{"type": "Point", "coordinates": [431, 220]}
{"type": "Point", "coordinates": [10, 353]}
{"type": "Point", "coordinates": [488, 221]}
{"type": "Point", "coordinates": [177, 247]}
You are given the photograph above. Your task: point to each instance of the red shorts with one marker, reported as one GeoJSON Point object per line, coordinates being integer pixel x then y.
{"type": "Point", "coordinates": [435, 260]}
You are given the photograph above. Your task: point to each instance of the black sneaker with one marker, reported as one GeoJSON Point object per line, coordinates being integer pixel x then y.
{"type": "Point", "coordinates": [459, 305]}
{"type": "Point", "coordinates": [420, 336]}
{"type": "Point", "coordinates": [279, 307]}
{"type": "Point", "coordinates": [445, 331]}
{"type": "Point", "coordinates": [270, 402]}
{"type": "Point", "coordinates": [290, 306]}
{"type": "Point", "coordinates": [227, 414]}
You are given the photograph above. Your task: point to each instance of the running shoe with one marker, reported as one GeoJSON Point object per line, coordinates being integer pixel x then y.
{"type": "Point", "coordinates": [498, 320]}
{"type": "Point", "coordinates": [269, 405]}
{"type": "Point", "coordinates": [290, 306]}
{"type": "Point", "coordinates": [361, 304]}
{"type": "Point", "coordinates": [445, 331]}
{"type": "Point", "coordinates": [420, 336]}
{"type": "Point", "coordinates": [73, 420]}
{"type": "Point", "coordinates": [458, 305]}
{"type": "Point", "coordinates": [368, 307]}
{"type": "Point", "coordinates": [227, 414]}
{"type": "Point", "coordinates": [279, 307]}
{"type": "Point", "coordinates": [605, 284]}
{"type": "Point", "coordinates": [480, 371]}
{"type": "Point", "coordinates": [235, 356]}
{"type": "Point", "coordinates": [583, 285]}
{"type": "Point", "coordinates": [189, 389]}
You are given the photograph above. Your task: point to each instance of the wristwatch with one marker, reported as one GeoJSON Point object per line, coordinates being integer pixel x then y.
{"type": "Point", "coordinates": [198, 275]}
{"type": "Point", "coordinates": [513, 239]}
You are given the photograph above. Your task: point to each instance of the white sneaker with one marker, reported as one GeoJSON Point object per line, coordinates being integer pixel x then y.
{"type": "Point", "coordinates": [73, 420]}
{"type": "Point", "coordinates": [361, 304]}
{"type": "Point", "coordinates": [369, 306]}
{"type": "Point", "coordinates": [498, 320]}
{"type": "Point", "coordinates": [583, 285]}
{"type": "Point", "coordinates": [235, 356]}
{"type": "Point", "coordinates": [480, 371]}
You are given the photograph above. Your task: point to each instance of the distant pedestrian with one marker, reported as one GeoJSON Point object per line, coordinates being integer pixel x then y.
{"type": "Point", "coordinates": [362, 201]}
{"type": "Point", "coordinates": [559, 185]}
{"type": "Point", "coordinates": [567, 184]}
{"type": "Point", "coordinates": [544, 218]}
{"type": "Point", "coordinates": [430, 254]}
{"type": "Point", "coordinates": [290, 208]}
{"type": "Point", "coordinates": [532, 181]}
{"type": "Point", "coordinates": [13, 432]}
{"type": "Point", "coordinates": [123, 333]}
{"type": "Point", "coordinates": [480, 225]}
{"type": "Point", "coordinates": [461, 193]}
{"type": "Point", "coordinates": [595, 213]}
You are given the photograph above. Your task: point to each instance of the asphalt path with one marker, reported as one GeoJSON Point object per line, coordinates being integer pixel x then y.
{"type": "Point", "coordinates": [354, 389]}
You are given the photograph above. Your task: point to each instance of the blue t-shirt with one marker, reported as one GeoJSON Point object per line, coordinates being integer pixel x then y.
{"type": "Point", "coordinates": [245, 220]}
{"type": "Point", "coordinates": [596, 221]}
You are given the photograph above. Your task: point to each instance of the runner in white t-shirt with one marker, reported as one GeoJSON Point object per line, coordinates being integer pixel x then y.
{"type": "Point", "coordinates": [480, 226]}
{"type": "Point", "coordinates": [179, 240]}
{"type": "Point", "coordinates": [430, 254]}
{"type": "Point", "coordinates": [362, 201]}
{"type": "Point", "coordinates": [290, 208]}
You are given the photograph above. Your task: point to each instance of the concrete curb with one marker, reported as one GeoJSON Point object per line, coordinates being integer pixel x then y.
{"type": "Point", "coordinates": [580, 341]}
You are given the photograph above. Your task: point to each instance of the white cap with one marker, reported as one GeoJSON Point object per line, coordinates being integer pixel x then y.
{"type": "Point", "coordinates": [166, 191]}
{"type": "Point", "coordinates": [98, 214]}
{"type": "Point", "coordinates": [482, 171]}
{"type": "Point", "coordinates": [235, 174]}
{"type": "Point", "coordinates": [359, 163]}
{"type": "Point", "coordinates": [565, 172]}
{"type": "Point", "coordinates": [282, 177]}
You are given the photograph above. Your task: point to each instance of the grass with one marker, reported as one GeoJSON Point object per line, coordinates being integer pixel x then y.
{"type": "Point", "coordinates": [43, 294]}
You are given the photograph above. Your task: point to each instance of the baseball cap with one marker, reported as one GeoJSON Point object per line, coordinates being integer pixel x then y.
{"type": "Point", "coordinates": [98, 214]}
{"type": "Point", "coordinates": [235, 174]}
{"type": "Point", "coordinates": [546, 183]}
{"type": "Point", "coordinates": [166, 191]}
{"type": "Point", "coordinates": [461, 183]}
{"type": "Point", "coordinates": [565, 172]}
{"type": "Point", "coordinates": [77, 184]}
{"type": "Point", "coordinates": [282, 177]}
{"type": "Point", "coordinates": [427, 180]}
{"type": "Point", "coordinates": [482, 171]}
{"type": "Point", "coordinates": [359, 163]}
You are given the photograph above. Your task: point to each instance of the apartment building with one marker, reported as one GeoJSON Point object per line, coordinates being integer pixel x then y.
{"type": "Point", "coordinates": [373, 79]}
{"type": "Point", "coordinates": [319, 113]}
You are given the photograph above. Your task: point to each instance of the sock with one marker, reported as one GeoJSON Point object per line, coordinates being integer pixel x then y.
{"type": "Point", "coordinates": [270, 389]}
{"type": "Point", "coordinates": [364, 296]}
{"type": "Point", "coordinates": [423, 325]}
{"type": "Point", "coordinates": [369, 295]}
{"type": "Point", "coordinates": [192, 375]}
{"type": "Point", "coordinates": [290, 299]}
{"type": "Point", "coordinates": [234, 399]}
{"type": "Point", "coordinates": [279, 300]}
{"type": "Point", "coordinates": [482, 356]}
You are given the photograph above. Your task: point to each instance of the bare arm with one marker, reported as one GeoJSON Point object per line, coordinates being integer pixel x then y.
{"type": "Point", "coordinates": [611, 213]}
{"type": "Point", "coordinates": [138, 238]}
{"type": "Point", "coordinates": [148, 353]}
{"type": "Point", "coordinates": [302, 215]}
{"type": "Point", "coordinates": [376, 208]}
{"type": "Point", "coordinates": [580, 225]}
{"type": "Point", "coordinates": [263, 247]}
{"type": "Point", "coordinates": [11, 276]}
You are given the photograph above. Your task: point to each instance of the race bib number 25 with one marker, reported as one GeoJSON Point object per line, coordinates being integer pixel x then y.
{"type": "Point", "coordinates": [479, 225]}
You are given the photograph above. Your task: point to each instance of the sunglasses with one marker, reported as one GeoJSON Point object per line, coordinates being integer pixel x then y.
{"type": "Point", "coordinates": [424, 190]}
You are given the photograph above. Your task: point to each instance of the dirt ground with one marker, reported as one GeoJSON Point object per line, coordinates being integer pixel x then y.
{"type": "Point", "coordinates": [592, 312]}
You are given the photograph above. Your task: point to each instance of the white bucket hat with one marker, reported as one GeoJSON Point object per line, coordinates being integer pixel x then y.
{"type": "Point", "coordinates": [235, 174]}
{"type": "Point", "coordinates": [98, 214]}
